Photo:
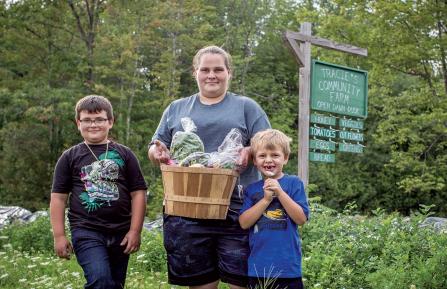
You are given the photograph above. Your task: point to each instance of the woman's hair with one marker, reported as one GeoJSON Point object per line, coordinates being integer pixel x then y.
{"type": "Point", "coordinates": [271, 139]}
{"type": "Point", "coordinates": [213, 50]}
{"type": "Point", "coordinates": [92, 104]}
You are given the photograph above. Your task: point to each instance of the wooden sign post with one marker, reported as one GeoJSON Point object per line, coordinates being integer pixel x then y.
{"type": "Point", "coordinates": [302, 52]}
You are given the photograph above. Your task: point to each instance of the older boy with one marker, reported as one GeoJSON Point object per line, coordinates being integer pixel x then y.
{"type": "Point", "coordinates": [107, 198]}
{"type": "Point", "coordinates": [272, 209]}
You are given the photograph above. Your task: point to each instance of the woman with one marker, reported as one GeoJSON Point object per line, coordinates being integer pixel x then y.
{"type": "Point", "coordinates": [202, 252]}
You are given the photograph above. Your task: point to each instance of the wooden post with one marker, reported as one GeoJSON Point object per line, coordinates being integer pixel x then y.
{"type": "Point", "coordinates": [304, 100]}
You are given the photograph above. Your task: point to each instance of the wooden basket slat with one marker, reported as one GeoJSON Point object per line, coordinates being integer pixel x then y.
{"type": "Point", "coordinates": [197, 192]}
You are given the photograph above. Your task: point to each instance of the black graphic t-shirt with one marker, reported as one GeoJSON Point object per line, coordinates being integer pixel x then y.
{"type": "Point", "coordinates": [99, 188]}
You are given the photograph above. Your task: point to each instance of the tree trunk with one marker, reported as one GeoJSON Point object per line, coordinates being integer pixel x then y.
{"type": "Point", "coordinates": [92, 8]}
{"type": "Point", "coordinates": [443, 53]}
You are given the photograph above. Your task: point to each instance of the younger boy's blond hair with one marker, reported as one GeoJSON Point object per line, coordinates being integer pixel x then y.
{"type": "Point", "coordinates": [271, 139]}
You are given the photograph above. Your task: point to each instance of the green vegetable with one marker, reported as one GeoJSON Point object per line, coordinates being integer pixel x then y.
{"type": "Point", "coordinates": [185, 143]}
{"type": "Point", "coordinates": [199, 158]}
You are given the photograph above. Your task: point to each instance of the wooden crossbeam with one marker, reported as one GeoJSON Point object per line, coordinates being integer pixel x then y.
{"type": "Point", "coordinates": [326, 43]}
{"type": "Point", "coordinates": [293, 46]}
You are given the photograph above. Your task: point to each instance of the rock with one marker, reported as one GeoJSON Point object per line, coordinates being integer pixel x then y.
{"type": "Point", "coordinates": [439, 224]}
{"type": "Point", "coordinates": [12, 214]}
{"type": "Point", "coordinates": [154, 225]}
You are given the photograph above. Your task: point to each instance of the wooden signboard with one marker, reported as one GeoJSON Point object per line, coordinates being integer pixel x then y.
{"type": "Point", "coordinates": [350, 148]}
{"type": "Point", "coordinates": [337, 97]}
{"type": "Point", "coordinates": [320, 157]}
{"type": "Point", "coordinates": [318, 144]}
{"type": "Point", "coordinates": [339, 89]}
{"type": "Point", "coordinates": [349, 123]}
{"type": "Point", "coordinates": [322, 119]}
{"type": "Point", "coordinates": [350, 135]}
{"type": "Point", "coordinates": [322, 132]}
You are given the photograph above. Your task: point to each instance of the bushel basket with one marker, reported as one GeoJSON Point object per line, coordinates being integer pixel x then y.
{"type": "Point", "coordinates": [202, 193]}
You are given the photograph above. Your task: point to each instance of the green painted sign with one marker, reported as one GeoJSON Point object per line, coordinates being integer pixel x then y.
{"type": "Point", "coordinates": [319, 157]}
{"type": "Point", "coordinates": [350, 148]}
{"type": "Point", "coordinates": [322, 119]}
{"type": "Point", "coordinates": [349, 123]}
{"type": "Point", "coordinates": [339, 89]}
{"type": "Point", "coordinates": [350, 135]}
{"type": "Point", "coordinates": [322, 145]}
{"type": "Point", "coordinates": [322, 132]}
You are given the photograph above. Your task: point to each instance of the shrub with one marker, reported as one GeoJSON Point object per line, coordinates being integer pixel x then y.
{"type": "Point", "coordinates": [381, 251]}
{"type": "Point", "coordinates": [29, 237]}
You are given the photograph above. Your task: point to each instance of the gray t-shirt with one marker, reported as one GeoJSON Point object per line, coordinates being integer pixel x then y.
{"type": "Point", "coordinates": [213, 124]}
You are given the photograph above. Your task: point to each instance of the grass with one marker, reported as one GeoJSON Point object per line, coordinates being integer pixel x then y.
{"type": "Point", "coordinates": [40, 270]}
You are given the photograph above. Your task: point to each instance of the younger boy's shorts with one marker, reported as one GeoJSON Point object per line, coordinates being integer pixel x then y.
{"type": "Point", "coordinates": [203, 251]}
{"type": "Point", "coordinates": [275, 283]}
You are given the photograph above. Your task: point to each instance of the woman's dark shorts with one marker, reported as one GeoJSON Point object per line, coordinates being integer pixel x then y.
{"type": "Point", "coordinates": [203, 251]}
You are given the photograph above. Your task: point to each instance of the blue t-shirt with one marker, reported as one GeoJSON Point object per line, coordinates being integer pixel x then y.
{"type": "Point", "coordinates": [213, 123]}
{"type": "Point", "coordinates": [275, 245]}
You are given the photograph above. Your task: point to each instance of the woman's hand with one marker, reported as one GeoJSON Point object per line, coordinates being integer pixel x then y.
{"type": "Point", "coordinates": [158, 153]}
{"type": "Point", "coordinates": [244, 159]}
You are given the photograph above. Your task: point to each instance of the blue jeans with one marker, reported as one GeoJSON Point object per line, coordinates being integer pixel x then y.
{"type": "Point", "coordinates": [101, 257]}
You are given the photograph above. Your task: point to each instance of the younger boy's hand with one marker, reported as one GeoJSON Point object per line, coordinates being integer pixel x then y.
{"type": "Point", "coordinates": [273, 185]}
{"type": "Point", "coordinates": [132, 241]}
{"type": "Point", "coordinates": [268, 194]}
{"type": "Point", "coordinates": [62, 247]}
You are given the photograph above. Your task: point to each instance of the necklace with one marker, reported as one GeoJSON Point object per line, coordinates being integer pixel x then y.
{"type": "Point", "coordinates": [107, 150]}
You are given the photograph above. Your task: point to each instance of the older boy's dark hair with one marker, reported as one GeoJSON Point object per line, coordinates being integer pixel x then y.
{"type": "Point", "coordinates": [94, 103]}
{"type": "Point", "coordinates": [271, 139]}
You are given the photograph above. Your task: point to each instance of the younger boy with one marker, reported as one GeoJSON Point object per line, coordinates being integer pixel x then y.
{"type": "Point", "coordinates": [272, 209]}
{"type": "Point", "coordinates": [107, 198]}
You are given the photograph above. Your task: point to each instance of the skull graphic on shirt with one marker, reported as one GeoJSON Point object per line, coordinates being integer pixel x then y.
{"type": "Point", "coordinates": [99, 180]}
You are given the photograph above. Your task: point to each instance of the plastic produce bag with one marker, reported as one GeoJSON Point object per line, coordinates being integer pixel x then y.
{"type": "Point", "coordinates": [185, 142]}
{"type": "Point", "coordinates": [228, 152]}
{"type": "Point", "coordinates": [198, 159]}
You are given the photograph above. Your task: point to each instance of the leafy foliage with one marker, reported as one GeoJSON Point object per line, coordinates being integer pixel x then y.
{"type": "Point", "coordinates": [346, 250]}
{"type": "Point", "coordinates": [33, 237]}
{"type": "Point", "coordinates": [141, 58]}
{"type": "Point", "coordinates": [340, 250]}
